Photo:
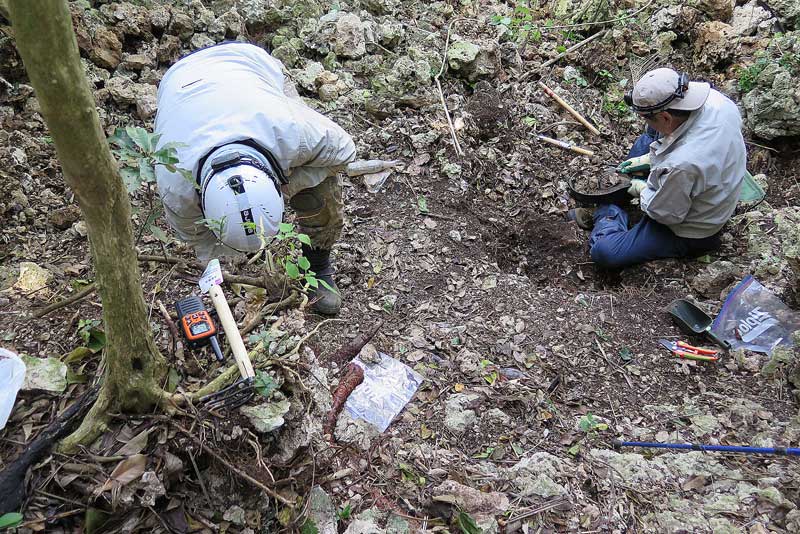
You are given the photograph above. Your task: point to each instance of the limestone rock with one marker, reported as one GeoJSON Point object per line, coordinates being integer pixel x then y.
{"type": "Point", "coordinates": [461, 54]}
{"type": "Point", "coordinates": [44, 374]}
{"type": "Point", "coordinates": [364, 526]}
{"type": "Point", "coordinates": [720, 10]}
{"type": "Point", "coordinates": [141, 95]}
{"type": "Point", "coordinates": [106, 49]}
{"type": "Point", "coordinates": [788, 12]}
{"type": "Point", "coordinates": [349, 38]}
{"type": "Point", "coordinates": [457, 417]}
{"type": "Point", "coordinates": [307, 76]}
{"type": "Point", "coordinates": [182, 26]}
{"type": "Point", "coordinates": [750, 18]}
{"type": "Point", "coordinates": [168, 49]}
{"type": "Point", "coordinates": [159, 17]}
{"type": "Point", "coordinates": [713, 43]}
{"type": "Point", "coordinates": [773, 106]}
{"type": "Point", "coordinates": [322, 511]}
{"type": "Point", "coordinates": [678, 18]}
{"type": "Point", "coordinates": [63, 218]}
{"type": "Point", "coordinates": [715, 277]}
{"type": "Point", "coordinates": [266, 417]}
{"type": "Point", "coordinates": [478, 504]}
{"type": "Point", "coordinates": [258, 14]}
{"type": "Point", "coordinates": [534, 475]}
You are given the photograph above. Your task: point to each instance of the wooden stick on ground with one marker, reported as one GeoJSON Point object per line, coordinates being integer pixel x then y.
{"type": "Point", "coordinates": [565, 145]}
{"type": "Point", "coordinates": [177, 341]}
{"type": "Point", "coordinates": [83, 293]}
{"type": "Point", "coordinates": [234, 469]}
{"type": "Point", "coordinates": [572, 49]}
{"type": "Point", "coordinates": [569, 108]}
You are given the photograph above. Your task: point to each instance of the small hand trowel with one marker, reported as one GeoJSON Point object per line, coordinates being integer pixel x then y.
{"type": "Point", "coordinates": [694, 321]}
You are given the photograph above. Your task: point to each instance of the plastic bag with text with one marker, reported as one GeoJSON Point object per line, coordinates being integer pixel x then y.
{"type": "Point", "coordinates": [387, 387]}
{"type": "Point", "coordinates": [753, 318]}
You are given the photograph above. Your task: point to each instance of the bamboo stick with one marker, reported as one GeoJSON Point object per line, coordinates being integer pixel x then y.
{"type": "Point", "coordinates": [569, 108]}
{"type": "Point", "coordinates": [566, 145]}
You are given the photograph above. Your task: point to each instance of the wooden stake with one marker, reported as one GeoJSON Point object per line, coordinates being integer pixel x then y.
{"type": "Point", "coordinates": [566, 145]}
{"type": "Point", "coordinates": [569, 108]}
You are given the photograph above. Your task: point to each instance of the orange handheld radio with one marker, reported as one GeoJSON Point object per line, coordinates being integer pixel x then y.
{"type": "Point", "coordinates": [196, 324]}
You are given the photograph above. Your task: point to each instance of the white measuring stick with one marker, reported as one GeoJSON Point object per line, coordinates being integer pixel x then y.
{"type": "Point", "coordinates": [209, 283]}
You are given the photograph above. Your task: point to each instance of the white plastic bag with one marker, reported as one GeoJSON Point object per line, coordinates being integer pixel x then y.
{"type": "Point", "coordinates": [12, 375]}
{"type": "Point", "coordinates": [387, 387]}
{"type": "Point", "coordinates": [753, 318]}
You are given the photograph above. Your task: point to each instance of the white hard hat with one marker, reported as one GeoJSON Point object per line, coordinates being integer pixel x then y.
{"type": "Point", "coordinates": [240, 197]}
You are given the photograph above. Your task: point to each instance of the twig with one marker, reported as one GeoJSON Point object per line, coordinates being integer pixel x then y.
{"type": "Point", "coordinates": [600, 22]}
{"type": "Point", "coordinates": [561, 102]}
{"type": "Point", "coordinates": [177, 343]}
{"type": "Point", "coordinates": [199, 478]}
{"type": "Point", "coordinates": [231, 467]}
{"type": "Point", "coordinates": [565, 52]}
{"type": "Point", "coordinates": [280, 305]}
{"type": "Point", "coordinates": [83, 293]}
{"type": "Point", "coordinates": [764, 147]}
{"type": "Point", "coordinates": [439, 85]}
{"type": "Point", "coordinates": [62, 515]}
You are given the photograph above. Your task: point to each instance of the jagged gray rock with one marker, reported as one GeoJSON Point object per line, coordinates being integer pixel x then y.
{"type": "Point", "coordinates": [773, 106]}
{"type": "Point", "coordinates": [715, 277]}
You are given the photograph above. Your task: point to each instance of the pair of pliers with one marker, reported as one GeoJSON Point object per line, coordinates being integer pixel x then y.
{"type": "Point", "coordinates": [686, 351]}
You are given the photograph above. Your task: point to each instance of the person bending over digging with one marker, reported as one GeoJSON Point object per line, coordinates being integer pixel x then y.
{"type": "Point", "coordinates": [248, 145]}
{"type": "Point", "coordinates": [695, 155]}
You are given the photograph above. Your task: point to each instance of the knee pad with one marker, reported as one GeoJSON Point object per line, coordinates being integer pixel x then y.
{"type": "Point", "coordinates": [307, 200]}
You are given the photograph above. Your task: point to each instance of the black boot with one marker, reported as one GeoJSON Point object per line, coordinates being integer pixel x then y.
{"type": "Point", "coordinates": [324, 300]}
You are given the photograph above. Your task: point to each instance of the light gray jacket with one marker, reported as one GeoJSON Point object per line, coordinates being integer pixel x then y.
{"type": "Point", "coordinates": [696, 171]}
{"type": "Point", "coordinates": [233, 92]}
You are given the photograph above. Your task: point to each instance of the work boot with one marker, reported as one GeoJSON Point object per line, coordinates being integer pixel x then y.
{"type": "Point", "coordinates": [323, 300]}
{"type": "Point", "coordinates": [583, 217]}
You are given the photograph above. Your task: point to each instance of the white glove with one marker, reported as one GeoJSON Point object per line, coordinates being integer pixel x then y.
{"type": "Point", "coordinates": [636, 187]}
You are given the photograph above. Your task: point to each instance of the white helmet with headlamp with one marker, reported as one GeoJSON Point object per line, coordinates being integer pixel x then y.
{"type": "Point", "coordinates": [240, 196]}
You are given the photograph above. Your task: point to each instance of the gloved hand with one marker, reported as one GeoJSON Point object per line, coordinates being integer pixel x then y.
{"type": "Point", "coordinates": [636, 187]}
{"type": "Point", "coordinates": [637, 164]}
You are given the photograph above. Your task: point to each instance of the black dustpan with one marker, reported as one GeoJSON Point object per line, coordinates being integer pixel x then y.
{"type": "Point", "coordinates": [613, 195]}
{"type": "Point", "coordinates": [694, 321]}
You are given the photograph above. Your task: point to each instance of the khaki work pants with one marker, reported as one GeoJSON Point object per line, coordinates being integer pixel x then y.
{"type": "Point", "coordinates": [320, 212]}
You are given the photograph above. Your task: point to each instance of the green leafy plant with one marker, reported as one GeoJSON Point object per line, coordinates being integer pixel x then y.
{"type": "Point", "coordinates": [10, 520]}
{"type": "Point", "coordinates": [284, 251]}
{"type": "Point", "coordinates": [264, 384]}
{"type": "Point", "coordinates": [138, 154]}
{"type": "Point", "coordinates": [520, 24]}
{"type": "Point", "coordinates": [466, 524]}
{"type": "Point", "coordinates": [309, 527]}
{"type": "Point", "coordinates": [92, 335]}
{"type": "Point", "coordinates": [344, 512]}
{"type": "Point", "coordinates": [749, 75]}
{"type": "Point", "coordinates": [588, 423]}
{"type": "Point", "coordinates": [422, 204]}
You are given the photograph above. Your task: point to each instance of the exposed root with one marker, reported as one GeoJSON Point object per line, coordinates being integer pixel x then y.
{"type": "Point", "coordinates": [92, 426]}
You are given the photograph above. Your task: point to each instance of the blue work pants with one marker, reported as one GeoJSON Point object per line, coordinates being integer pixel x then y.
{"type": "Point", "coordinates": [613, 246]}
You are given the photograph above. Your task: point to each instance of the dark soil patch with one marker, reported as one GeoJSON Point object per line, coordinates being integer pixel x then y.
{"type": "Point", "coordinates": [548, 251]}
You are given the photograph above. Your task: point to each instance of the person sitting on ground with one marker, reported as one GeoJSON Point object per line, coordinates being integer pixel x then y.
{"type": "Point", "coordinates": [695, 155]}
{"type": "Point", "coordinates": [249, 143]}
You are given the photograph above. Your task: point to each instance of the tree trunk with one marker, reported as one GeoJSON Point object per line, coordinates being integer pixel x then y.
{"type": "Point", "coordinates": [46, 41]}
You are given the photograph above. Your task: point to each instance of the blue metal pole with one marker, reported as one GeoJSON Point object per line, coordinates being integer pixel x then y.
{"type": "Point", "coordinates": [787, 451]}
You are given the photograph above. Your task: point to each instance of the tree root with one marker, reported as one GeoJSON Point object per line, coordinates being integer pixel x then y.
{"type": "Point", "coordinates": [12, 478]}
{"type": "Point", "coordinates": [92, 426]}
{"type": "Point", "coordinates": [354, 375]}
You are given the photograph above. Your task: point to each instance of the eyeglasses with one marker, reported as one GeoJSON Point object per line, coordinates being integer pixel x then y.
{"type": "Point", "coordinates": [680, 91]}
